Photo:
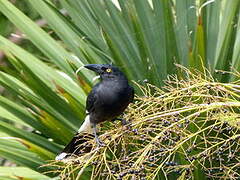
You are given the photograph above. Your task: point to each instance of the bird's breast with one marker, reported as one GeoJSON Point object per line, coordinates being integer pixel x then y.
{"type": "Point", "coordinates": [113, 92]}
{"type": "Point", "coordinates": [113, 99]}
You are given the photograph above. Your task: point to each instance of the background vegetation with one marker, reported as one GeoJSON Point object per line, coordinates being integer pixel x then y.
{"type": "Point", "coordinates": [144, 38]}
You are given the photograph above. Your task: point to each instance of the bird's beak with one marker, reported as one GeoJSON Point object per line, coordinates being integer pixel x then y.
{"type": "Point", "coordinates": [94, 67]}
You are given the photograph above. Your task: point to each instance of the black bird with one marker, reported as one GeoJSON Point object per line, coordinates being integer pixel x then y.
{"type": "Point", "coordinates": [107, 100]}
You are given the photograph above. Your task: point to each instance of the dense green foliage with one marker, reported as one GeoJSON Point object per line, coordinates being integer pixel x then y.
{"type": "Point", "coordinates": [144, 38]}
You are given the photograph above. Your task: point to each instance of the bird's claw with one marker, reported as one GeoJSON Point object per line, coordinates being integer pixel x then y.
{"type": "Point", "coordinates": [100, 143]}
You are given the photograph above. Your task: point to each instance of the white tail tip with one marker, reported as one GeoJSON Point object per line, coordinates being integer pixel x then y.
{"type": "Point", "coordinates": [61, 156]}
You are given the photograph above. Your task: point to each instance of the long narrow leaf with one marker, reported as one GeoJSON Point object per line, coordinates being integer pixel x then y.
{"type": "Point", "coordinates": [21, 172]}
{"type": "Point", "coordinates": [41, 39]}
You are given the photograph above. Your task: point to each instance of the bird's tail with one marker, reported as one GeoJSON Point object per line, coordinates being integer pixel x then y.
{"type": "Point", "coordinates": [79, 143]}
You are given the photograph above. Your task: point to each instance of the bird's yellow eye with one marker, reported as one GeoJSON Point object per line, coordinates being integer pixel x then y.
{"type": "Point", "coordinates": [108, 70]}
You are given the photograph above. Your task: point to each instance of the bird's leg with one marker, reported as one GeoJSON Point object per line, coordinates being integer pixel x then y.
{"type": "Point", "coordinates": [98, 141]}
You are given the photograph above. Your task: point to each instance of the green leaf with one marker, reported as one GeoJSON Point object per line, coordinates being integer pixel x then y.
{"type": "Point", "coordinates": [60, 25]}
{"type": "Point", "coordinates": [117, 37]}
{"type": "Point", "coordinates": [15, 112]}
{"type": "Point", "coordinates": [199, 60]}
{"type": "Point", "coordinates": [21, 173]}
{"type": "Point", "coordinates": [211, 16]}
{"type": "Point", "coordinates": [83, 18]}
{"type": "Point", "coordinates": [20, 155]}
{"type": "Point", "coordinates": [41, 152]}
{"type": "Point", "coordinates": [236, 50]}
{"type": "Point", "coordinates": [33, 138]}
{"type": "Point", "coordinates": [41, 39]}
{"type": "Point", "coordinates": [43, 71]}
{"type": "Point", "coordinates": [148, 24]}
{"type": "Point", "coordinates": [230, 10]}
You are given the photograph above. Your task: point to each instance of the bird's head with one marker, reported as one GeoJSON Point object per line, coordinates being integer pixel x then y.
{"type": "Point", "coordinates": [106, 71]}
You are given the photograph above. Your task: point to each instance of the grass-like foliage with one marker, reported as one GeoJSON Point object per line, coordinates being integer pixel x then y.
{"type": "Point", "coordinates": [184, 123]}
{"type": "Point", "coordinates": [187, 130]}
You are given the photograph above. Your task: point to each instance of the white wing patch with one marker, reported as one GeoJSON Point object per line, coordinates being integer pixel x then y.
{"type": "Point", "coordinates": [86, 126]}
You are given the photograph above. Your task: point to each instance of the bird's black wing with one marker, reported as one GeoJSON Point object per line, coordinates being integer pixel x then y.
{"type": "Point", "coordinates": [131, 94]}
{"type": "Point", "coordinates": [91, 100]}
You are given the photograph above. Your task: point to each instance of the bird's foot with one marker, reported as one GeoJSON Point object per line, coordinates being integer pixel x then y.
{"type": "Point", "coordinates": [100, 143]}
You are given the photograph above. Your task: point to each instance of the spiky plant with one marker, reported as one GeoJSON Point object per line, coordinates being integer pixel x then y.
{"type": "Point", "coordinates": [187, 130]}
{"type": "Point", "coordinates": [145, 38]}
